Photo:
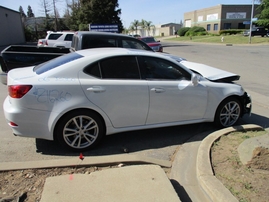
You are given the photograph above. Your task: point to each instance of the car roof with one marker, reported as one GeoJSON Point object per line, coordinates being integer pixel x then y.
{"type": "Point", "coordinates": [110, 52]}
{"type": "Point", "coordinates": [113, 51]}
{"type": "Point", "coordinates": [80, 33]}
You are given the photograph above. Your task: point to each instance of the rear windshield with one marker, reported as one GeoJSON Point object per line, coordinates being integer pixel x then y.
{"type": "Point", "coordinates": [44, 67]}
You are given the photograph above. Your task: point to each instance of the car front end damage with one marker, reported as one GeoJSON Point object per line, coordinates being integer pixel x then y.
{"type": "Point", "coordinates": [246, 104]}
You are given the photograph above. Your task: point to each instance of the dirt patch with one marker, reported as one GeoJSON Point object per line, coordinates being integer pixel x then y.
{"type": "Point", "coordinates": [27, 185]}
{"type": "Point", "coordinates": [246, 182]}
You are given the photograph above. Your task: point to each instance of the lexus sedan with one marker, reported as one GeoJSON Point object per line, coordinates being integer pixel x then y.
{"type": "Point", "coordinates": [80, 97]}
{"type": "Point", "coordinates": [153, 43]}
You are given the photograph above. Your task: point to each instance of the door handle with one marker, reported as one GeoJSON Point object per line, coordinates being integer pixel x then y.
{"type": "Point", "coordinates": [157, 90]}
{"type": "Point", "coordinates": [96, 89]}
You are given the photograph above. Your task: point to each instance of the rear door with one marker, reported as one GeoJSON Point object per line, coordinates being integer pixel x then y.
{"type": "Point", "coordinates": [117, 90]}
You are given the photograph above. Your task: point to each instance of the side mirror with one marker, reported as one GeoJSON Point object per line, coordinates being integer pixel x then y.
{"type": "Point", "coordinates": [194, 79]}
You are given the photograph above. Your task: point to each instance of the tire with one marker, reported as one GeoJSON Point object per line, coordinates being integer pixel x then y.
{"type": "Point", "coordinates": [80, 130]}
{"type": "Point", "coordinates": [228, 112]}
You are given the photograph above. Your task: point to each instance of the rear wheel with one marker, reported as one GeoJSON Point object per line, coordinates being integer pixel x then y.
{"type": "Point", "coordinates": [79, 130]}
{"type": "Point", "coordinates": [228, 112]}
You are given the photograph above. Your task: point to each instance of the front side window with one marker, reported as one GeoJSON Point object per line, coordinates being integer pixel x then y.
{"type": "Point", "coordinates": [124, 67]}
{"type": "Point", "coordinates": [156, 68]}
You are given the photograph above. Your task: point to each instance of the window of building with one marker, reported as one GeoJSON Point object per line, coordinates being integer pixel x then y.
{"type": "Point", "coordinates": [216, 27]}
{"type": "Point", "coordinates": [241, 26]}
{"type": "Point", "coordinates": [227, 26]}
{"type": "Point", "coordinates": [208, 27]}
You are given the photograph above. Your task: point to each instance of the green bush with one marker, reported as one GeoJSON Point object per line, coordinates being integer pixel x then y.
{"type": "Point", "coordinates": [196, 31]}
{"type": "Point", "coordinates": [182, 31]}
{"type": "Point", "coordinates": [231, 31]}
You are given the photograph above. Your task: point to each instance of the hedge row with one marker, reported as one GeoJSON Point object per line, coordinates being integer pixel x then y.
{"type": "Point", "coordinates": [198, 31]}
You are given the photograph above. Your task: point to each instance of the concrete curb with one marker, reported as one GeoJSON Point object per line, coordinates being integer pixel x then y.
{"type": "Point", "coordinates": [208, 182]}
{"type": "Point", "coordinates": [87, 161]}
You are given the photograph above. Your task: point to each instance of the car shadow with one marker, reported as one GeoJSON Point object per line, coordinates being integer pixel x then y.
{"type": "Point", "coordinates": [133, 141]}
{"type": "Point", "coordinates": [174, 45]}
{"type": "Point", "coordinates": [142, 140]}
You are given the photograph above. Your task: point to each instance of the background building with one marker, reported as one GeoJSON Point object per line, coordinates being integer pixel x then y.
{"type": "Point", "coordinates": [168, 29]}
{"type": "Point", "coordinates": [220, 17]}
{"type": "Point", "coordinates": [11, 31]}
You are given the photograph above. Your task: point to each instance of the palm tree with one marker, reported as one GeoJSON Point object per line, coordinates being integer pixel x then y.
{"type": "Point", "coordinates": [135, 24]}
{"type": "Point", "coordinates": [148, 26]}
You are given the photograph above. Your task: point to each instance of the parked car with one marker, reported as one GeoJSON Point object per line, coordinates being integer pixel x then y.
{"type": "Point", "coordinates": [59, 39]}
{"type": "Point", "coordinates": [80, 97]}
{"type": "Point", "coordinates": [153, 43]}
{"type": "Point", "coordinates": [257, 31]}
{"type": "Point", "coordinates": [41, 42]}
{"type": "Point", "coordinates": [17, 56]}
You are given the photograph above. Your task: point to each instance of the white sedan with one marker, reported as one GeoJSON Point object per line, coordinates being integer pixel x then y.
{"type": "Point", "coordinates": [82, 96]}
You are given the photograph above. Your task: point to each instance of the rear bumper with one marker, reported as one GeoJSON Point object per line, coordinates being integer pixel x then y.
{"type": "Point", "coordinates": [29, 122]}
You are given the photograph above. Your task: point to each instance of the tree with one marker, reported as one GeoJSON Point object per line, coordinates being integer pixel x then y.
{"type": "Point", "coordinates": [22, 12]}
{"type": "Point", "coordinates": [30, 13]}
{"type": "Point", "coordinates": [46, 8]}
{"type": "Point", "coordinates": [135, 24]}
{"type": "Point", "coordinates": [263, 16]}
{"type": "Point", "coordinates": [85, 12]}
{"type": "Point", "coordinates": [148, 25]}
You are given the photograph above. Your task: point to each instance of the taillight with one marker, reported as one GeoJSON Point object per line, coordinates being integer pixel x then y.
{"type": "Point", "coordinates": [46, 43]}
{"type": "Point", "coordinates": [18, 91]}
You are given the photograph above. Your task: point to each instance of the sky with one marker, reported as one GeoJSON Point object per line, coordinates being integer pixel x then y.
{"type": "Point", "coordinates": [156, 11]}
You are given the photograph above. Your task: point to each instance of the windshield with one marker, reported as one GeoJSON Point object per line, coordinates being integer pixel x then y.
{"type": "Point", "coordinates": [148, 40]}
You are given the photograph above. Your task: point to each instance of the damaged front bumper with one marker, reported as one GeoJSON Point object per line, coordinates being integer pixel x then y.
{"type": "Point", "coordinates": [247, 104]}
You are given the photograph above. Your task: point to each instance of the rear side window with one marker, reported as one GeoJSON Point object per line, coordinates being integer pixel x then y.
{"type": "Point", "coordinates": [120, 68]}
{"type": "Point", "coordinates": [123, 67]}
{"type": "Point", "coordinates": [44, 67]}
{"type": "Point", "coordinates": [95, 42]}
{"type": "Point", "coordinates": [54, 36]}
{"type": "Point", "coordinates": [68, 37]}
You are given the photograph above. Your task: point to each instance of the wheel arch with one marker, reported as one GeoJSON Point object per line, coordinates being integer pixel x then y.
{"type": "Point", "coordinates": [238, 97]}
{"type": "Point", "coordinates": [73, 110]}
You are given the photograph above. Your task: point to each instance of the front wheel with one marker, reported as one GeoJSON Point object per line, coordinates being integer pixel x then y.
{"type": "Point", "coordinates": [79, 130]}
{"type": "Point", "coordinates": [228, 112]}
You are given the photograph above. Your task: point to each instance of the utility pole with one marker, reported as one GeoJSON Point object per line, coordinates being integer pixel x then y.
{"type": "Point", "coordinates": [250, 29]}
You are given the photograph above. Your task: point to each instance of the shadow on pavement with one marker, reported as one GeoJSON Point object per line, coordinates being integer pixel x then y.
{"type": "Point", "coordinates": [133, 141]}
{"type": "Point", "coordinates": [181, 192]}
{"type": "Point", "coordinates": [150, 139]}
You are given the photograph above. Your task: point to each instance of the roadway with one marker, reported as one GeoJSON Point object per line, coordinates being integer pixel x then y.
{"type": "Point", "coordinates": [251, 62]}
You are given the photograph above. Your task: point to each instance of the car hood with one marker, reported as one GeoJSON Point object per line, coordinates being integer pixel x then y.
{"type": "Point", "coordinates": [210, 73]}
